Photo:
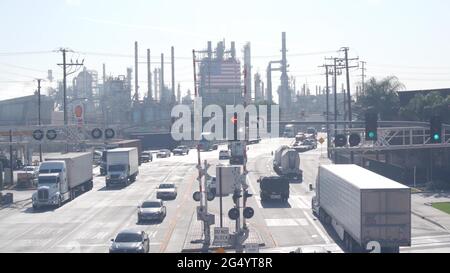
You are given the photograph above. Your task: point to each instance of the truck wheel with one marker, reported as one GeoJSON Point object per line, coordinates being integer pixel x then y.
{"type": "Point", "coordinates": [59, 202]}
{"type": "Point", "coordinates": [35, 207]}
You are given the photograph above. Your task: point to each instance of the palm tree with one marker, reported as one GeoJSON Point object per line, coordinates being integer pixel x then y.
{"type": "Point", "coordinates": [382, 96]}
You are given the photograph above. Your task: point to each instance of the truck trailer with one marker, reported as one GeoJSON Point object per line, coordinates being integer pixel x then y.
{"type": "Point", "coordinates": [369, 212]}
{"type": "Point", "coordinates": [62, 177]}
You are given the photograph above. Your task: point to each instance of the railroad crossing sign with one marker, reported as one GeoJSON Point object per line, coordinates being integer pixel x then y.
{"type": "Point", "coordinates": [221, 235]}
{"type": "Point", "coordinates": [321, 140]}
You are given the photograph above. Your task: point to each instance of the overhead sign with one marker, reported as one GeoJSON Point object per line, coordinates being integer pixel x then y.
{"type": "Point", "coordinates": [221, 235]}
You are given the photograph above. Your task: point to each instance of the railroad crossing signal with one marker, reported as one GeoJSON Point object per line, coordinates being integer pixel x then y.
{"type": "Point", "coordinates": [436, 129]}
{"type": "Point", "coordinates": [340, 141]}
{"type": "Point", "coordinates": [354, 140]}
{"type": "Point", "coordinates": [371, 126]}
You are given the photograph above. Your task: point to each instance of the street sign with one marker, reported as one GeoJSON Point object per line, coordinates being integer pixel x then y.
{"type": "Point", "coordinates": [221, 235]}
{"type": "Point", "coordinates": [251, 248]}
{"type": "Point", "coordinates": [321, 140]}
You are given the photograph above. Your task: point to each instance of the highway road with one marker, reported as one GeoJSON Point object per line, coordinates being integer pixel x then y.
{"type": "Point", "coordinates": [87, 223]}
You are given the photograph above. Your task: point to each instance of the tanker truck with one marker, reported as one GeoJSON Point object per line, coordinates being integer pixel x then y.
{"type": "Point", "coordinates": [286, 163]}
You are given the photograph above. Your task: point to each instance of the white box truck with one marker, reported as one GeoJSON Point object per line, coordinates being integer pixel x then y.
{"type": "Point", "coordinates": [369, 212]}
{"type": "Point", "coordinates": [62, 177]}
{"type": "Point", "coordinates": [122, 166]}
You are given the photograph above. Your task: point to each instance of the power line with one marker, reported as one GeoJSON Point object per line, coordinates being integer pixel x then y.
{"type": "Point", "coordinates": [24, 68]}
{"type": "Point", "coordinates": [24, 53]}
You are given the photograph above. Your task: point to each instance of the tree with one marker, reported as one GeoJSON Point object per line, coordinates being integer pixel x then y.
{"type": "Point", "coordinates": [421, 107]}
{"type": "Point", "coordinates": [381, 95]}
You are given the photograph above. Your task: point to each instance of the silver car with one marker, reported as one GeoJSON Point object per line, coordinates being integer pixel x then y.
{"type": "Point", "coordinates": [166, 191]}
{"type": "Point", "coordinates": [151, 210]}
{"type": "Point", "coordinates": [130, 241]}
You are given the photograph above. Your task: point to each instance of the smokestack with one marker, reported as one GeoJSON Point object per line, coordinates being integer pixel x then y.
{"type": "Point", "coordinates": [172, 56]}
{"type": "Point", "coordinates": [149, 76]}
{"type": "Point", "coordinates": [136, 77]}
{"type": "Point", "coordinates": [155, 80]}
{"type": "Point", "coordinates": [269, 83]}
{"type": "Point", "coordinates": [161, 78]}
{"type": "Point", "coordinates": [104, 74]}
{"type": "Point", "coordinates": [263, 95]}
{"type": "Point", "coordinates": [209, 50]}
{"type": "Point", "coordinates": [233, 50]}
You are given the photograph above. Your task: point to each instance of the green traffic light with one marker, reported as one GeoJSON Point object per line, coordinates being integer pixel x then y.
{"type": "Point", "coordinates": [436, 137]}
{"type": "Point", "coordinates": [372, 134]}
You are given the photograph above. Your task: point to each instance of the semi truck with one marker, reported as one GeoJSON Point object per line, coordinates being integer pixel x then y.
{"type": "Point", "coordinates": [62, 177]}
{"type": "Point", "coordinates": [122, 166]}
{"type": "Point", "coordinates": [369, 212]}
{"type": "Point", "coordinates": [286, 163]}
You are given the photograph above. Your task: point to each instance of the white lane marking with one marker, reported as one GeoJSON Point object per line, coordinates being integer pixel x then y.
{"type": "Point", "coordinates": [281, 222]}
{"type": "Point", "coordinates": [321, 233]}
{"type": "Point", "coordinates": [255, 194]}
{"type": "Point", "coordinates": [302, 222]}
{"type": "Point", "coordinates": [152, 234]}
{"type": "Point", "coordinates": [297, 202]}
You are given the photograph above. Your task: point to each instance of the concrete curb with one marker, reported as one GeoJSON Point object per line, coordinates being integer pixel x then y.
{"type": "Point", "coordinates": [430, 220]}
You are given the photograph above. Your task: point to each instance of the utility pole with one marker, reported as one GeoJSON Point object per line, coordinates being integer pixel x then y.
{"type": "Point", "coordinates": [173, 73]}
{"type": "Point", "coordinates": [327, 88]}
{"type": "Point", "coordinates": [65, 74]}
{"type": "Point", "coordinates": [195, 73]}
{"type": "Point", "coordinates": [39, 115]}
{"type": "Point", "coordinates": [349, 96]}
{"type": "Point", "coordinates": [363, 76]}
{"type": "Point", "coordinates": [136, 73]}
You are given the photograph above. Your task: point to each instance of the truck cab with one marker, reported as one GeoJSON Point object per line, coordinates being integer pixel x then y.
{"type": "Point", "coordinates": [117, 173]}
{"type": "Point", "coordinates": [52, 185]}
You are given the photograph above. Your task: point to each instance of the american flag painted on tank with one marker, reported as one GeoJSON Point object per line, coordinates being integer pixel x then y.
{"type": "Point", "coordinates": [221, 74]}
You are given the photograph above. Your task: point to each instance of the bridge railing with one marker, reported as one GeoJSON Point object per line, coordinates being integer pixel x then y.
{"type": "Point", "coordinates": [395, 138]}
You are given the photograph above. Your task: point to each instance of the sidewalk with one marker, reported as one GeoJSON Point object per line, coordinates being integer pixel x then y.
{"type": "Point", "coordinates": [421, 206]}
{"type": "Point", "coordinates": [194, 235]}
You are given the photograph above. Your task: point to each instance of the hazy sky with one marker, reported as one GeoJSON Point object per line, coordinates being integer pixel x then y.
{"type": "Point", "coordinates": [409, 39]}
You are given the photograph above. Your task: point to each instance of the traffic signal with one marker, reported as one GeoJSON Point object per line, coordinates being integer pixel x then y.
{"type": "Point", "coordinates": [340, 140]}
{"type": "Point", "coordinates": [371, 126]}
{"type": "Point", "coordinates": [235, 126]}
{"type": "Point", "coordinates": [436, 129]}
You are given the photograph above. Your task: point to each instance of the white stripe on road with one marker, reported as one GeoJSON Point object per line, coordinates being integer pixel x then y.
{"type": "Point", "coordinates": [321, 233]}
{"type": "Point", "coordinates": [286, 222]}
